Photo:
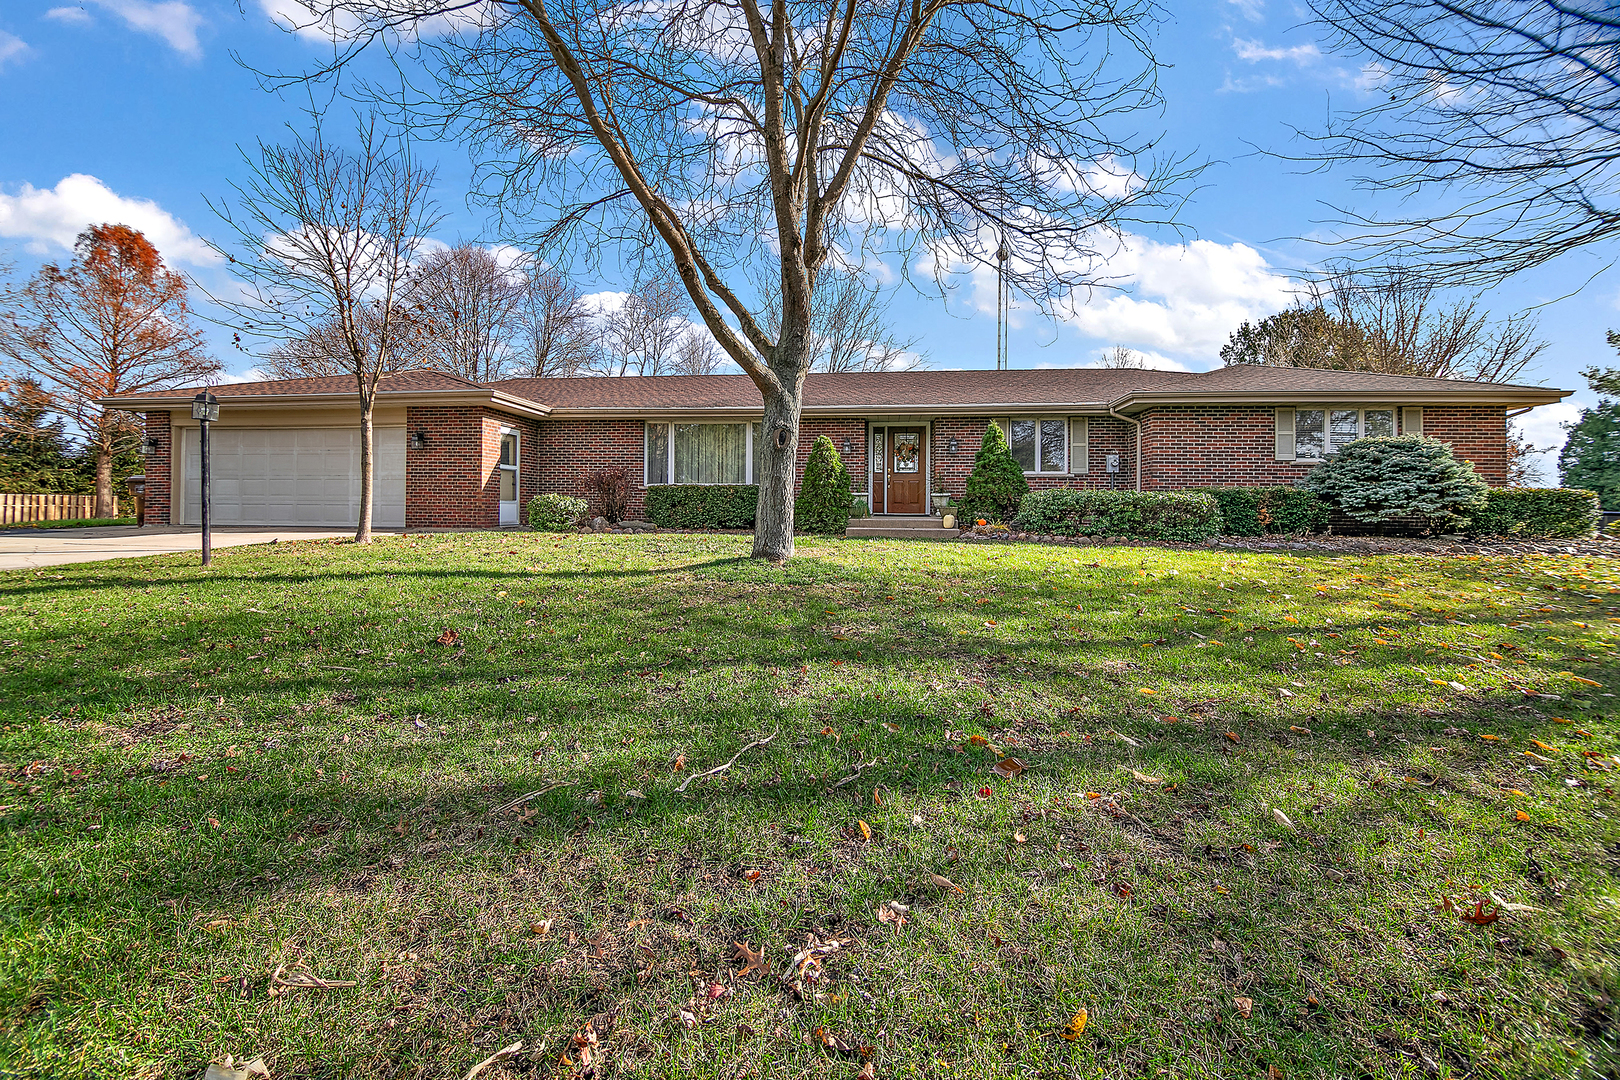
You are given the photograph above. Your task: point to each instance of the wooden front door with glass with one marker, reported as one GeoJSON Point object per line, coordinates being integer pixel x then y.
{"type": "Point", "coordinates": [900, 470]}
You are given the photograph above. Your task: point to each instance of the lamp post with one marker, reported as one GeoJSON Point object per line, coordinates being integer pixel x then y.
{"type": "Point", "coordinates": [205, 410]}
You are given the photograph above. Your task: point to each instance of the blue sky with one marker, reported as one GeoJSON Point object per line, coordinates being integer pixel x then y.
{"type": "Point", "coordinates": [133, 110]}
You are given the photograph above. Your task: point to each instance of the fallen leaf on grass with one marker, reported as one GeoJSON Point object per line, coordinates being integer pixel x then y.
{"type": "Point", "coordinates": [1299, 730]}
{"type": "Point", "coordinates": [946, 883]}
{"type": "Point", "coordinates": [541, 928]}
{"type": "Point", "coordinates": [1077, 1026]}
{"type": "Point", "coordinates": [1512, 909]}
{"type": "Point", "coordinates": [1535, 742]}
{"type": "Point", "coordinates": [1144, 691]}
{"type": "Point", "coordinates": [1479, 916]}
{"type": "Point", "coordinates": [893, 912]}
{"type": "Point", "coordinates": [1520, 815]}
{"type": "Point", "coordinates": [752, 961]}
{"type": "Point", "coordinates": [866, 1073]}
{"type": "Point", "coordinates": [1245, 1006]}
{"type": "Point", "coordinates": [866, 831]}
{"type": "Point", "coordinates": [498, 1056]}
{"type": "Point", "coordinates": [1282, 819]}
{"type": "Point", "coordinates": [1126, 739]}
{"type": "Point", "coordinates": [1146, 779]}
{"type": "Point", "coordinates": [751, 875]}
{"type": "Point", "coordinates": [251, 1070]}
{"type": "Point", "coordinates": [448, 638]}
{"type": "Point", "coordinates": [1232, 735]}
{"type": "Point", "coordinates": [283, 980]}
{"type": "Point", "coordinates": [1008, 768]}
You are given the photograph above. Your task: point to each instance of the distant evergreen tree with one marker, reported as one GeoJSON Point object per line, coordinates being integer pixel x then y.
{"type": "Point", "coordinates": [34, 453]}
{"type": "Point", "coordinates": [1591, 455]}
{"type": "Point", "coordinates": [997, 485]}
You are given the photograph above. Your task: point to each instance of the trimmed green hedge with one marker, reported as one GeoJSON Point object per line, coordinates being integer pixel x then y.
{"type": "Point", "coordinates": [703, 506]}
{"type": "Point", "coordinates": [1260, 511]}
{"type": "Point", "coordinates": [556, 513]}
{"type": "Point", "coordinates": [1152, 515]}
{"type": "Point", "coordinates": [1536, 513]}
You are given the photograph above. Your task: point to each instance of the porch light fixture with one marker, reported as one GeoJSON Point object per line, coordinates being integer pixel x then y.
{"type": "Point", "coordinates": [951, 445]}
{"type": "Point", "coordinates": [418, 439]}
{"type": "Point", "coordinates": [150, 445]}
{"type": "Point", "coordinates": [205, 410]}
{"type": "Point", "coordinates": [849, 447]}
{"type": "Point", "coordinates": [205, 407]}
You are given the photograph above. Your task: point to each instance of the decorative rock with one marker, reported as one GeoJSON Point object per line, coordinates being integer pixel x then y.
{"type": "Point", "coordinates": [599, 524]}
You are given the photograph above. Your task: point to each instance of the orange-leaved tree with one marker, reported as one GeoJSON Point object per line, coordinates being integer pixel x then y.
{"type": "Point", "coordinates": [113, 321]}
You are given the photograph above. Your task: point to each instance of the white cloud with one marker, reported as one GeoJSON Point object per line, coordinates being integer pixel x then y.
{"type": "Point", "coordinates": [1254, 52]}
{"type": "Point", "coordinates": [11, 47]}
{"type": "Point", "coordinates": [1253, 10]}
{"type": "Point", "coordinates": [252, 374]}
{"type": "Point", "coordinates": [46, 218]}
{"type": "Point", "coordinates": [320, 20]}
{"type": "Point", "coordinates": [69, 15]}
{"type": "Point", "coordinates": [1180, 300]}
{"type": "Point", "coordinates": [1544, 426]}
{"type": "Point", "coordinates": [175, 22]}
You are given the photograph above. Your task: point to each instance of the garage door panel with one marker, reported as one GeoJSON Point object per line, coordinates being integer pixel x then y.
{"type": "Point", "coordinates": [304, 476]}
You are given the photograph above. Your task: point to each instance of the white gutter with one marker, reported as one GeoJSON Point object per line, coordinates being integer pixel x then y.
{"type": "Point", "coordinates": [1138, 423]}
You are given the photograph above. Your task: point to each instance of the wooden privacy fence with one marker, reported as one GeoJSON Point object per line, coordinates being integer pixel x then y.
{"type": "Point", "coordinates": [21, 509]}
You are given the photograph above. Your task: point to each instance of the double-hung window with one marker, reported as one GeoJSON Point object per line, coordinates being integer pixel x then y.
{"type": "Point", "coordinates": [1040, 444]}
{"type": "Point", "coordinates": [1319, 432]}
{"type": "Point", "coordinates": [701, 453]}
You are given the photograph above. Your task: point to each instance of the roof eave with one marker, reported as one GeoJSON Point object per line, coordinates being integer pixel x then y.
{"type": "Point", "coordinates": [1136, 401]}
{"type": "Point", "coordinates": [494, 398]}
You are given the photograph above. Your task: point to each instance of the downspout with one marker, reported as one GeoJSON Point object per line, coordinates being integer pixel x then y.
{"type": "Point", "coordinates": [1121, 416]}
{"type": "Point", "coordinates": [1519, 412]}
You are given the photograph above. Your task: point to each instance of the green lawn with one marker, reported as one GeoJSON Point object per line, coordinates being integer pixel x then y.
{"type": "Point", "coordinates": [1260, 791]}
{"type": "Point", "coordinates": [71, 523]}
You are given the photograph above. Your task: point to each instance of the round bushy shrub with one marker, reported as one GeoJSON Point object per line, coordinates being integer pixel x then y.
{"type": "Point", "coordinates": [1403, 476]}
{"type": "Point", "coordinates": [824, 502]}
{"type": "Point", "coordinates": [996, 485]}
{"type": "Point", "coordinates": [555, 513]}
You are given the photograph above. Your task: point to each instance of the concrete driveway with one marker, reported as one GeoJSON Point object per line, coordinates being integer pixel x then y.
{"type": "Point", "coordinates": [21, 549]}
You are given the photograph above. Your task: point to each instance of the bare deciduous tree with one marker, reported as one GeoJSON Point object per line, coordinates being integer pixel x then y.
{"type": "Point", "coordinates": [1395, 322]}
{"type": "Point", "coordinates": [849, 326]}
{"type": "Point", "coordinates": [115, 320]}
{"type": "Point", "coordinates": [326, 240]}
{"type": "Point", "coordinates": [1121, 357]}
{"type": "Point", "coordinates": [744, 143]}
{"type": "Point", "coordinates": [643, 335]}
{"type": "Point", "coordinates": [1498, 119]}
{"type": "Point", "coordinates": [556, 334]}
{"type": "Point", "coordinates": [465, 305]}
{"type": "Point", "coordinates": [697, 354]}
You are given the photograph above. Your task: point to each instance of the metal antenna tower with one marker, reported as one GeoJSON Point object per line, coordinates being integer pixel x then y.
{"type": "Point", "coordinates": [1003, 302]}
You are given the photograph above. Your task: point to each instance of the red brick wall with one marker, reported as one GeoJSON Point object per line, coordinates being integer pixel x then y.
{"type": "Point", "coordinates": [1236, 445]}
{"type": "Point", "coordinates": [452, 481]}
{"type": "Point", "coordinates": [1106, 435]}
{"type": "Point", "coordinates": [571, 449]}
{"type": "Point", "coordinates": [1476, 433]}
{"type": "Point", "coordinates": [837, 429]}
{"type": "Point", "coordinates": [158, 465]}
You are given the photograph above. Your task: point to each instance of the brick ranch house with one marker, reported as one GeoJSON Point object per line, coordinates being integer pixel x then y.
{"type": "Point", "coordinates": [451, 453]}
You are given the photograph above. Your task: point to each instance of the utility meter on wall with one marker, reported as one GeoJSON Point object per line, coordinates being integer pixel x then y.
{"type": "Point", "coordinates": [1111, 462]}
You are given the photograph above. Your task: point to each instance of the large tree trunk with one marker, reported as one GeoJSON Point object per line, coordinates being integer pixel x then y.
{"type": "Point", "coordinates": [362, 533]}
{"type": "Point", "coordinates": [779, 460]}
{"type": "Point", "coordinates": [104, 492]}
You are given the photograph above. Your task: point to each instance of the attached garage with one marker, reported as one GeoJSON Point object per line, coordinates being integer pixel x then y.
{"type": "Point", "coordinates": [291, 476]}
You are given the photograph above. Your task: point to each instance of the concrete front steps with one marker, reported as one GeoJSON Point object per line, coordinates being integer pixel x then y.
{"type": "Point", "coordinates": [900, 527]}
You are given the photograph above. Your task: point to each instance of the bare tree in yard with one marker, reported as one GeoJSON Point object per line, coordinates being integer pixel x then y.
{"type": "Point", "coordinates": [742, 144]}
{"type": "Point", "coordinates": [327, 236]}
{"type": "Point", "coordinates": [466, 307]}
{"type": "Point", "coordinates": [849, 326]}
{"type": "Point", "coordinates": [1498, 119]}
{"type": "Point", "coordinates": [115, 320]}
{"type": "Point", "coordinates": [1121, 357]}
{"type": "Point", "coordinates": [1394, 322]}
{"type": "Point", "coordinates": [556, 334]}
{"type": "Point", "coordinates": [697, 354]}
{"type": "Point", "coordinates": [643, 335]}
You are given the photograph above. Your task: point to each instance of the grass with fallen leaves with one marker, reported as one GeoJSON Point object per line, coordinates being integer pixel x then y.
{"type": "Point", "coordinates": [68, 523]}
{"type": "Point", "coordinates": [1008, 810]}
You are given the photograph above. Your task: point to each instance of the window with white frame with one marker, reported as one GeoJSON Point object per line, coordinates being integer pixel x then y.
{"type": "Point", "coordinates": [1316, 433]}
{"type": "Point", "coordinates": [1040, 444]}
{"type": "Point", "coordinates": [702, 453]}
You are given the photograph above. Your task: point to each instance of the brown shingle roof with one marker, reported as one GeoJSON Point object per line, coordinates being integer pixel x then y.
{"type": "Point", "coordinates": [402, 382]}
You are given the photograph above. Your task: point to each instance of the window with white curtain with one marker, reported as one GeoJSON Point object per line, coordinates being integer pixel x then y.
{"type": "Point", "coordinates": [701, 453]}
{"type": "Point", "coordinates": [1312, 434]}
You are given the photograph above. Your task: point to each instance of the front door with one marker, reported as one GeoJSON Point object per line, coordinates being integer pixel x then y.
{"type": "Point", "coordinates": [509, 478]}
{"type": "Point", "coordinates": [907, 462]}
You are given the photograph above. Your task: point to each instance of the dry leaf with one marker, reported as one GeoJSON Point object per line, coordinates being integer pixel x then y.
{"type": "Point", "coordinates": [1245, 1006]}
{"type": "Point", "coordinates": [1520, 815]}
{"type": "Point", "coordinates": [866, 1073]}
{"type": "Point", "coordinates": [1007, 768]}
{"type": "Point", "coordinates": [946, 883]}
{"type": "Point", "coordinates": [866, 831]}
{"type": "Point", "coordinates": [1232, 735]}
{"type": "Point", "coordinates": [1479, 916]}
{"type": "Point", "coordinates": [1512, 908]}
{"type": "Point", "coordinates": [978, 740]}
{"type": "Point", "coordinates": [751, 875]}
{"type": "Point", "coordinates": [497, 1056]}
{"type": "Point", "coordinates": [1126, 739]}
{"type": "Point", "coordinates": [541, 928]}
{"type": "Point", "coordinates": [1299, 730]}
{"type": "Point", "coordinates": [1077, 1026]}
{"type": "Point", "coordinates": [1282, 819]}
{"type": "Point", "coordinates": [1146, 779]}
{"type": "Point", "coordinates": [752, 961]}
{"type": "Point", "coordinates": [448, 638]}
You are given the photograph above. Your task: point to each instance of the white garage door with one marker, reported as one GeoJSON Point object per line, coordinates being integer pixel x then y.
{"type": "Point", "coordinates": [293, 476]}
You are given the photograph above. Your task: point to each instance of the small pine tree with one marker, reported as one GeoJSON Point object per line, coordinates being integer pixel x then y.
{"type": "Point", "coordinates": [1404, 476]}
{"type": "Point", "coordinates": [1591, 455]}
{"type": "Point", "coordinates": [824, 501]}
{"type": "Point", "coordinates": [996, 485]}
